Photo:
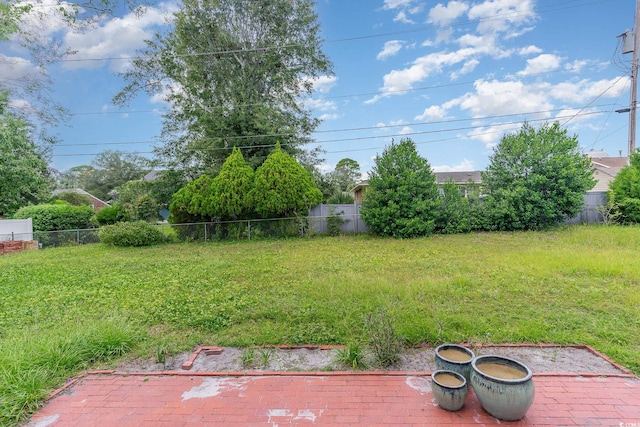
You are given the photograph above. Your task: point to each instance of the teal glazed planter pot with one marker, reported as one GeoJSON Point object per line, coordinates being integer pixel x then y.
{"type": "Point", "coordinates": [456, 358]}
{"type": "Point", "coordinates": [504, 386]}
{"type": "Point", "coordinates": [450, 389]}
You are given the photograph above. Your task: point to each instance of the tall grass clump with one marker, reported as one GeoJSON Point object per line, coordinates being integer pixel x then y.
{"type": "Point", "coordinates": [32, 363]}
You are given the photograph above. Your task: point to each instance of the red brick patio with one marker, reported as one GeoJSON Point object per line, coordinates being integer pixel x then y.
{"type": "Point", "coordinates": [323, 398]}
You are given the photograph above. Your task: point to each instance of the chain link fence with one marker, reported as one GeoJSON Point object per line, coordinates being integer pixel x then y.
{"type": "Point", "coordinates": [255, 229]}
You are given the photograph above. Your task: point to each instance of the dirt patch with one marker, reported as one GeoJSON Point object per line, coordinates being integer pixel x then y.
{"type": "Point", "coordinates": [540, 359]}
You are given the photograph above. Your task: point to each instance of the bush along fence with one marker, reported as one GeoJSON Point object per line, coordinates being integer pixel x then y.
{"type": "Point", "coordinates": [322, 219]}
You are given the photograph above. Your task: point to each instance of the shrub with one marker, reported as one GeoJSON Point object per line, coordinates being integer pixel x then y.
{"type": "Point", "coordinates": [131, 234]}
{"type": "Point", "coordinates": [74, 198]}
{"type": "Point", "coordinates": [625, 190]}
{"type": "Point", "coordinates": [385, 342]}
{"type": "Point", "coordinates": [110, 215]}
{"type": "Point", "coordinates": [454, 213]}
{"type": "Point", "coordinates": [402, 199]}
{"type": "Point", "coordinates": [335, 222]}
{"type": "Point", "coordinates": [58, 217]}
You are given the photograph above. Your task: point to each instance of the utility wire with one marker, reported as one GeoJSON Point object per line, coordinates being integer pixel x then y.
{"type": "Point", "coordinates": [400, 135]}
{"type": "Point", "coordinates": [272, 135]}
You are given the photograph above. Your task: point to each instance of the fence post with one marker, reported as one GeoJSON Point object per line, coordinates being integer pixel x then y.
{"type": "Point", "coordinates": [12, 236]}
{"type": "Point", "coordinates": [248, 229]}
{"type": "Point", "coordinates": [78, 236]}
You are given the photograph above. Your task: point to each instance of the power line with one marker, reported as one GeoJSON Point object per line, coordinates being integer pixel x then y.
{"type": "Point", "coordinates": [400, 135]}
{"type": "Point", "coordinates": [438, 122]}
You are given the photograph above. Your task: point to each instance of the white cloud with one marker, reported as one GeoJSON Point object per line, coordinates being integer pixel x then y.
{"type": "Point", "coordinates": [402, 17]}
{"type": "Point", "coordinates": [393, 4]}
{"type": "Point", "coordinates": [464, 166]}
{"type": "Point", "coordinates": [432, 114]}
{"type": "Point", "coordinates": [490, 135]}
{"type": "Point", "coordinates": [14, 68]}
{"type": "Point", "coordinates": [529, 50]}
{"type": "Point", "coordinates": [332, 116]}
{"type": "Point", "coordinates": [116, 38]}
{"type": "Point", "coordinates": [320, 104]}
{"type": "Point", "coordinates": [467, 68]}
{"type": "Point", "coordinates": [541, 64]}
{"type": "Point", "coordinates": [324, 84]}
{"type": "Point", "coordinates": [445, 15]}
{"type": "Point", "coordinates": [389, 49]}
{"type": "Point", "coordinates": [502, 15]}
{"type": "Point", "coordinates": [492, 98]}
{"type": "Point", "coordinates": [585, 90]}
{"type": "Point", "coordinates": [406, 130]}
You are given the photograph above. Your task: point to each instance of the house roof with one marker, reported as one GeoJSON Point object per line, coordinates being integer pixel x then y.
{"type": "Point", "coordinates": [605, 170]}
{"type": "Point", "coordinates": [79, 191]}
{"type": "Point", "coordinates": [459, 177]}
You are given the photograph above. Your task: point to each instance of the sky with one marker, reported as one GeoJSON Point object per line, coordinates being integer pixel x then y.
{"type": "Point", "coordinates": [452, 76]}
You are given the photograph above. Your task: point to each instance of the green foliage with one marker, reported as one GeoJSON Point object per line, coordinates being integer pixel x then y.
{"type": "Point", "coordinates": [232, 188]}
{"type": "Point", "coordinates": [283, 188]}
{"type": "Point", "coordinates": [237, 90]}
{"type": "Point", "coordinates": [58, 217]}
{"type": "Point", "coordinates": [189, 202]}
{"type": "Point", "coordinates": [625, 190]}
{"type": "Point", "coordinates": [402, 199]}
{"type": "Point", "coordinates": [113, 169]}
{"type": "Point", "coordinates": [24, 175]}
{"type": "Point", "coordinates": [74, 198]}
{"type": "Point", "coordinates": [385, 342]}
{"type": "Point", "coordinates": [537, 178]}
{"type": "Point", "coordinates": [454, 212]}
{"type": "Point", "coordinates": [135, 201]}
{"type": "Point", "coordinates": [139, 233]}
{"type": "Point", "coordinates": [345, 175]}
{"type": "Point", "coordinates": [31, 368]}
{"type": "Point", "coordinates": [111, 214]}
{"type": "Point", "coordinates": [340, 198]}
{"type": "Point", "coordinates": [335, 222]}
{"type": "Point", "coordinates": [353, 356]}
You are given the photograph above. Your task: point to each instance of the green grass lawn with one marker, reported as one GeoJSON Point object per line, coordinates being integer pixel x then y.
{"type": "Point", "coordinates": [63, 309]}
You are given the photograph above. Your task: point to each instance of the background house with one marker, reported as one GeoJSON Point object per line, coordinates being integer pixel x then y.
{"type": "Point", "coordinates": [462, 179]}
{"type": "Point", "coordinates": [97, 203]}
{"type": "Point", "coordinates": [605, 168]}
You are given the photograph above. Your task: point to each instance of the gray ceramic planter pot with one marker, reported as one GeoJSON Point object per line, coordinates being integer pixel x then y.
{"type": "Point", "coordinates": [449, 388]}
{"type": "Point", "coordinates": [456, 358]}
{"type": "Point", "coordinates": [504, 386]}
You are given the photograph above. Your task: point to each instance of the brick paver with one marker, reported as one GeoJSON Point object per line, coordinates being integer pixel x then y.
{"type": "Point", "coordinates": [371, 399]}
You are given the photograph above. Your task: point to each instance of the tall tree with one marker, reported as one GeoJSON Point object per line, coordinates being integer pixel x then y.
{"type": "Point", "coordinates": [402, 199]}
{"type": "Point", "coordinates": [235, 73]}
{"type": "Point", "coordinates": [346, 174]}
{"type": "Point", "coordinates": [24, 175]}
{"type": "Point", "coordinates": [112, 169]}
{"type": "Point", "coordinates": [536, 178]}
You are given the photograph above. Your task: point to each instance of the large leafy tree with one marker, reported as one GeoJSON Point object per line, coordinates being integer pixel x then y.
{"type": "Point", "coordinates": [24, 175]}
{"type": "Point", "coordinates": [346, 174]}
{"type": "Point", "coordinates": [112, 169]}
{"type": "Point", "coordinates": [282, 187]}
{"type": "Point", "coordinates": [624, 194]}
{"type": "Point", "coordinates": [402, 199]}
{"type": "Point", "coordinates": [536, 178]}
{"type": "Point", "coordinates": [235, 73]}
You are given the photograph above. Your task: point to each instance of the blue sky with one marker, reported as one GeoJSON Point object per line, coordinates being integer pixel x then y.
{"type": "Point", "coordinates": [454, 76]}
